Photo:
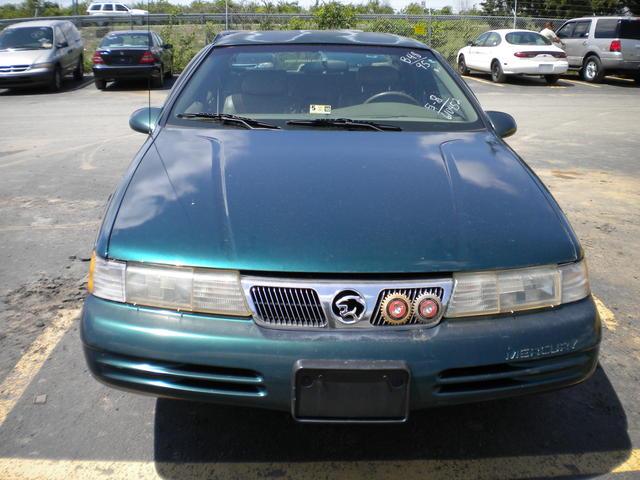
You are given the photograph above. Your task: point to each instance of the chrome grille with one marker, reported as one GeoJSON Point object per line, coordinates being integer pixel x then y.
{"type": "Point", "coordinates": [413, 293]}
{"type": "Point", "coordinates": [13, 68]}
{"type": "Point", "coordinates": [289, 307]}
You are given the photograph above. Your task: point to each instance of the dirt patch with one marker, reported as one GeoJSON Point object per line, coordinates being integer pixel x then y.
{"type": "Point", "coordinates": [27, 310]}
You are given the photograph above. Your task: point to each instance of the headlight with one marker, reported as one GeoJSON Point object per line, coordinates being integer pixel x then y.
{"type": "Point", "coordinates": [42, 65]}
{"type": "Point", "coordinates": [486, 293]}
{"type": "Point", "coordinates": [179, 288]}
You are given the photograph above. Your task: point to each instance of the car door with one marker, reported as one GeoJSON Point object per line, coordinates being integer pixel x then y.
{"type": "Point", "coordinates": [64, 51]}
{"type": "Point", "coordinates": [166, 54]}
{"type": "Point", "coordinates": [582, 40]}
{"type": "Point", "coordinates": [475, 50]}
{"type": "Point", "coordinates": [489, 51]}
{"type": "Point", "coordinates": [121, 9]}
{"type": "Point", "coordinates": [565, 33]}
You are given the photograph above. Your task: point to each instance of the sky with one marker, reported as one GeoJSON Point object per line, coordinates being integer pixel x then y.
{"type": "Point", "coordinates": [396, 4]}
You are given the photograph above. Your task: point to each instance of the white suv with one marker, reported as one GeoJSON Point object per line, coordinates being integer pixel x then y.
{"type": "Point", "coordinates": [113, 9]}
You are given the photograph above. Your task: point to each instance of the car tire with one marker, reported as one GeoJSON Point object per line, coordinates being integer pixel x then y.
{"type": "Point", "coordinates": [462, 66]}
{"type": "Point", "coordinates": [551, 79]}
{"type": "Point", "coordinates": [158, 82]}
{"type": "Point", "coordinates": [100, 84]}
{"type": "Point", "coordinates": [592, 70]}
{"type": "Point", "coordinates": [56, 80]}
{"type": "Point", "coordinates": [497, 75]}
{"type": "Point", "coordinates": [636, 78]}
{"type": "Point", "coordinates": [78, 72]}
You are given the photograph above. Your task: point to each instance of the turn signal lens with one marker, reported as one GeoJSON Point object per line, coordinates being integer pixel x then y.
{"type": "Point", "coordinates": [486, 293]}
{"type": "Point", "coordinates": [179, 288]}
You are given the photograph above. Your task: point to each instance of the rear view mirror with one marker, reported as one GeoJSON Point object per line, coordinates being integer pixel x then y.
{"type": "Point", "coordinates": [471, 43]}
{"type": "Point", "coordinates": [144, 120]}
{"type": "Point", "coordinates": [503, 123]}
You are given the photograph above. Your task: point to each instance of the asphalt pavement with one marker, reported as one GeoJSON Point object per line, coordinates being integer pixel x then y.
{"type": "Point", "coordinates": [61, 155]}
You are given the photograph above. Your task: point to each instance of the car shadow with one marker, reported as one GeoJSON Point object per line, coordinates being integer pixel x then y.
{"type": "Point", "coordinates": [138, 84]}
{"type": "Point", "coordinates": [195, 438]}
{"type": "Point", "coordinates": [68, 85]}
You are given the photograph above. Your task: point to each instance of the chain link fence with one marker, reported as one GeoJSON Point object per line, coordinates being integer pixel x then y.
{"type": "Point", "coordinates": [190, 32]}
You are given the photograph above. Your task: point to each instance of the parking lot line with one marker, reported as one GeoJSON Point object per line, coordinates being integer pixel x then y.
{"type": "Point", "coordinates": [606, 316]}
{"type": "Point", "coordinates": [481, 80]}
{"type": "Point", "coordinates": [547, 466]}
{"type": "Point", "coordinates": [15, 384]}
{"type": "Point", "coordinates": [577, 82]}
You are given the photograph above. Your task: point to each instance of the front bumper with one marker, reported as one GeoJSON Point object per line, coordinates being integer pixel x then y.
{"type": "Point", "coordinates": [234, 361]}
{"type": "Point", "coordinates": [114, 72]}
{"type": "Point", "coordinates": [30, 77]}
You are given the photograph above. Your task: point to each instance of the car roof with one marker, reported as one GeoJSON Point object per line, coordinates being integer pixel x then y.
{"type": "Point", "coordinates": [341, 37]}
{"type": "Point", "coordinates": [510, 30]}
{"type": "Point", "coordinates": [39, 23]}
{"type": "Point", "coordinates": [126, 32]}
{"type": "Point", "coordinates": [611, 17]}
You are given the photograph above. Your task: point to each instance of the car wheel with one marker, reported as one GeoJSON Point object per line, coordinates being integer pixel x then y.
{"type": "Point", "coordinates": [100, 84]}
{"type": "Point", "coordinates": [158, 82]}
{"type": "Point", "coordinates": [592, 71]}
{"type": "Point", "coordinates": [637, 79]}
{"type": "Point", "coordinates": [497, 75]}
{"type": "Point", "coordinates": [462, 66]}
{"type": "Point", "coordinates": [56, 81]}
{"type": "Point", "coordinates": [551, 79]}
{"type": "Point", "coordinates": [78, 73]}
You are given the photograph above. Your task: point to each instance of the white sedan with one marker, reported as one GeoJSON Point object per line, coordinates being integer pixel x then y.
{"type": "Point", "coordinates": [513, 52]}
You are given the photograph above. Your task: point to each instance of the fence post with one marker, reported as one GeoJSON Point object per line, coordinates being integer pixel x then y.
{"type": "Point", "coordinates": [515, 13]}
{"type": "Point", "coordinates": [429, 27]}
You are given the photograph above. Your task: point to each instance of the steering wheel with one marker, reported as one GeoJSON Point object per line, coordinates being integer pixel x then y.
{"type": "Point", "coordinates": [394, 96]}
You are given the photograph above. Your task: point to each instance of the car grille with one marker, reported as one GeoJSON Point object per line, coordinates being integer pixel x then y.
{"type": "Point", "coordinates": [13, 68]}
{"type": "Point", "coordinates": [289, 307]}
{"type": "Point", "coordinates": [413, 293]}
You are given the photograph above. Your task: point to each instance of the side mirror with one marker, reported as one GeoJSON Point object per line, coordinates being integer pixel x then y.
{"type": "Point", "coordinates": [167, 46]}
{"type": "Point", "coordinates": [62, 45]}
{"type": "Point", "coordinates": [471, 43]}
{"type": "Point", "coordinates": [144, 119]}
{"type": "Point", "coordinates": [503, 123]}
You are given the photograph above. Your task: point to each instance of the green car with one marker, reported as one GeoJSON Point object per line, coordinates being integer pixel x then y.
{"type": "Point", "coordinates": [327, 223]}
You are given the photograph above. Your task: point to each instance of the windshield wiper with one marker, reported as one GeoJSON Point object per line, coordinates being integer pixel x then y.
{"type": "Point", "coordinates": [346, 123]}
{"type": "Point", "coordinates": [246, 122]}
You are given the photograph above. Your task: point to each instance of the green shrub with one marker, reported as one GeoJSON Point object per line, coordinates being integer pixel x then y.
{"type": "Point", "coordinates": [334, 16]}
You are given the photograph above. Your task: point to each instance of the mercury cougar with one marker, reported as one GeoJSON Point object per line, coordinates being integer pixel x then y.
{"type": "Point", "coordinates": [328, 224]}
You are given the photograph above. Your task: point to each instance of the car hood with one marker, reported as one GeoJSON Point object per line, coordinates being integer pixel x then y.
{"type": "Point", "coordinates": [23, 57]}
{"type": "Point", "coordinates": [337, 202]}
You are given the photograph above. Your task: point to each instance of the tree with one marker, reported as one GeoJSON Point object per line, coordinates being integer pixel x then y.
{"type": "Point", "coordinates": [334, 15]}
{"type": "Point", "coordinates": [413, 9]}
{"type": "Point", "coordinates": [494, 7]}
{"type": "Point", "coordinates": [374, 6]}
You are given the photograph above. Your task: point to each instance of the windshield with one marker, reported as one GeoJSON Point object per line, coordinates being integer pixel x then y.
{"type": "Point", "coordinates": [526, 38]}
{"type": "Point", "coordinates": [125, 40]}
{"type": "Point", "coordinates": [405, 87]}
{"type": "Point", "coordinates": [26, 38]}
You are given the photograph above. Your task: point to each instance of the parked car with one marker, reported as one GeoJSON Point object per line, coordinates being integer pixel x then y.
{"type": "Point", "coordinates": [598, 46]}
{"type": "Point", "coordinates": [345, 244]}
{"type": "Point", "coordinates": [131, 54]}
{"type": "Point", "coordinates": [114, 9]}
{"type": "Point", "coordinates": [513, 52]}
{"type": "Point", "coordinates": [40, 53]}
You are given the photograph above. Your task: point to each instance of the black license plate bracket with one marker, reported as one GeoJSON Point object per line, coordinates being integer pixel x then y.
{"type": "Point", "coordinates": [350, 391]}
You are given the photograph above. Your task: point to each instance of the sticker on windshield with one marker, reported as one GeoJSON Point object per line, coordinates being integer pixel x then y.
{"type": "Point", "coordinates": [319, 109]}
{"type": "Point", "coordinates": [446, 107]}
{"type": "Point", "coordinates": [414, 58]}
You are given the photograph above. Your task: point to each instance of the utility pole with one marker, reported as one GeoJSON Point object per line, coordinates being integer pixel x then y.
{"type": "Point", "coordinates": [515, 13]}
{"type": "Point", "coordinates": [226, 14]}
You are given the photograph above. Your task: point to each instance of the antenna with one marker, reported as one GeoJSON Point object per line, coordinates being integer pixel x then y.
{"type": "Point", "coordinates": [149, 77]}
